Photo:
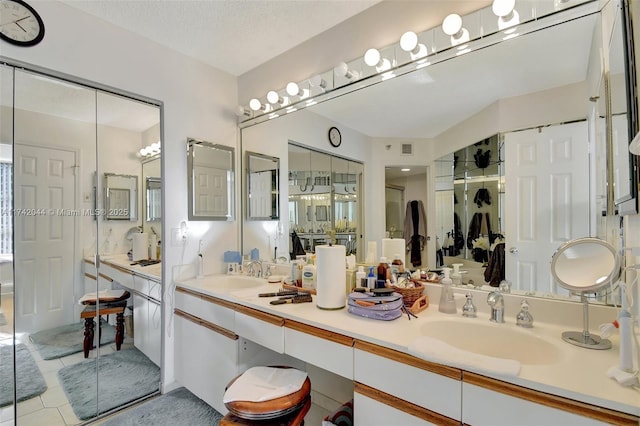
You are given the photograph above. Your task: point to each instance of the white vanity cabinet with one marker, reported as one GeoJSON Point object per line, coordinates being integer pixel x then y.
{"type": "Point", "coordinates": [206, 358]}
{"type": "Point", "coordinates": [146, 294]}
{"type": "Point", "coordinates": [397, 382]}
{"type": "Point", "coordinates": [371, 412]}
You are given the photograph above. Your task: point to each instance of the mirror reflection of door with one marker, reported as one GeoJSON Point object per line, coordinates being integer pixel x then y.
{"type": "Point", "coordinates": [549, 171]}
{"type": "Point", "coordinates": [64, 136]}
{"type": "Point", "coordinates": [403, 185]}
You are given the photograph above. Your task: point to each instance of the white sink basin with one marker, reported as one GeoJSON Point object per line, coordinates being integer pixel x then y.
{"type": "Point", "coordinates": [240, 282]}
{"type": "Point", "coordinates": [495, 340]}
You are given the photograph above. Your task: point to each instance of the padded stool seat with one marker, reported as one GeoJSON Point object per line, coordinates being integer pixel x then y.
{"type": "Point", "coordinates": [288, 410]}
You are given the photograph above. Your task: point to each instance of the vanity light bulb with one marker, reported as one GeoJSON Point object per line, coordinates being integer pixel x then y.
{"type": "Point", "coordinates": [255, 104]}
{"type": "Point", "coordinates": [318, 81]}
{"type": "Point", "coordinates": [408, 41]}
{"type": "Point", "coordinates": [452, 24]}
{"type": "Point", "coordinates": [372, 57]}
{"type": "Point", "coordinates": [502, 8]}
{"type": "Point", "coordinates": [342, 69]}
{"type": "Point", "coordinates": [273, 97]}
{"type": "Point", "coordinates": [293, 89]}
{"type": "Point", "coordinates": [144, 152]}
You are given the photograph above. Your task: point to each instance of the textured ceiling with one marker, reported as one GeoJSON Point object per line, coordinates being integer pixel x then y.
{"type": "Point", "coordinates": [232, 35]}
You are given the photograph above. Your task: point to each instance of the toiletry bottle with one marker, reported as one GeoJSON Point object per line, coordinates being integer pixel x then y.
{"type": "Point", "coordinates": [397, 265]}
{"type": "Point", "coordinates": [383, 273]}
{"type": "Point", "coordinates": [456, 276]}
{"type": "Point", "coordinates": [361, 277]}
{"type": "Point", "coordinates": [371, 278]}
{"type": "Point", "coordinates": [159, 250]}
{"type": "Point", "coordinates": [447, 303]}
{"type": "Point", "coordinates": [309, 275]}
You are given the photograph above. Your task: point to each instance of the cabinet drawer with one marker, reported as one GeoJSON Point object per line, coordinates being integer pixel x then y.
{"type": "Point", "coordinates": [155, 290]}
{"type": "Point", "coordinates": [213, 310]}
{"type": "Point", "coordinates": [436, 388]}
{"type": "Point", "coordinates": [141, 285]}
{"type": "Point", "coordinates": [528, 406]}
{"type": "Point", "coordinates": [369, 412]}
{"type": "Point", "coordinates": [261, 328]}
{"type": "Point", "coordinates": [330, 351]}
{"type": "Point", "coordinates": [121, 276]}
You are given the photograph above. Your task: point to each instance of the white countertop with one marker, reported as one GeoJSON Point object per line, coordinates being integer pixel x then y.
{"type": "Point", "coordinates": [579, 374]}
{"type": "Point", "coordinates": [152, 272]}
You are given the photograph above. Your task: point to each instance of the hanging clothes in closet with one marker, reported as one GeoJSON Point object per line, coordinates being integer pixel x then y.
{"type": "Point", "coordinates": [415, 227]}
{"type": "Point", "coordinates": [479, 226]}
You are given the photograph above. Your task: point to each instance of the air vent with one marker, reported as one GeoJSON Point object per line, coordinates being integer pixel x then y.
{"type": "Point", "coordinates": [407, 149]}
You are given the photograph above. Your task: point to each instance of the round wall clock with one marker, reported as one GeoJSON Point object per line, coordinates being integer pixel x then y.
{"type": "Point", "coordinates": [335, 138]}
{"type": "Point", "coordinates": [20, 24]}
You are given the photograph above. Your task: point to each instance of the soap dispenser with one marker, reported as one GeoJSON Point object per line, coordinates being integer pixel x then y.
{"type": "Point", "coordinates": [447, 303]}
{"type": "Point", "coordinates": [456, 276]}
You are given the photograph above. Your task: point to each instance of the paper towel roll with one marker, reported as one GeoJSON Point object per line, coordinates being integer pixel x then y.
{"type": "Point", "coordinates": [372, 253]}
{"type": "Point", "coordinates": [140, 246]}
{"type": "Point", "coordinates": [332, 279]}
{"type": "Point", "coordinates": [393, 246]}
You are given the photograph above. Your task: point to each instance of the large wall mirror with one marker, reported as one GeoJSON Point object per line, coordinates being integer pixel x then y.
{"type": "Point", "coordinates": [211, 177]}
{"type": "Point", "coordinates": [515, 91]}
{"type": "Point", "coordinates": [63, 147]}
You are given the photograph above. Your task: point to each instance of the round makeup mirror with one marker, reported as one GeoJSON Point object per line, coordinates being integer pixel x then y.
{"type": "Point", "coordinates": [583, 266]}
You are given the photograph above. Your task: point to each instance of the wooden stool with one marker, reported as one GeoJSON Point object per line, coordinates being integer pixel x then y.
{"type": "Point", "coordinates": [113, 306]}
{"type": "Point", "coordinates": [292, 419]}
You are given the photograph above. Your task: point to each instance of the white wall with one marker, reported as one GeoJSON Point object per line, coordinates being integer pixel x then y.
{"type": "Point", "coordinates": [198, 102]}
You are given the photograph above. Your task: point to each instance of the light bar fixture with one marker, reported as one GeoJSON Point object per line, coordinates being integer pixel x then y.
{"type": "Point", "coordinates": [452, 26]}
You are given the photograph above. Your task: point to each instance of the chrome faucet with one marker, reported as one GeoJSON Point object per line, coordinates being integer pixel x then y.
{"type": "Point", "coordinates": [469, 309]}
{"type": "Point", "coordinates": [496, 301]}
{"type": "Point", "coordinates": [254, 268]}
{"type": "Point", "coordinates": [524, 317]}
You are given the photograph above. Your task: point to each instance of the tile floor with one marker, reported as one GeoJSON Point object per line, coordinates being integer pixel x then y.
{"type": "Point", "coordinates": [52, 407]}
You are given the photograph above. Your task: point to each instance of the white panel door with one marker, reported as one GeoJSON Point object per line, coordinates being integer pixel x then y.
{"type": "Point", "coordinates": [44, 186]}
{"type": "Point", "coordinates": [211, 191]}
{"type": "Point", "coordinates": [547, 200]}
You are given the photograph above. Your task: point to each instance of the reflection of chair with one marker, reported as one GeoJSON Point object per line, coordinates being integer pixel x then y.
{"type": "Point", "coordinates": [107, 306]}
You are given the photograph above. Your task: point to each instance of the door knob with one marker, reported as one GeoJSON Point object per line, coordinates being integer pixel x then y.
{"type": "Point", "coordinates": [513, 250]}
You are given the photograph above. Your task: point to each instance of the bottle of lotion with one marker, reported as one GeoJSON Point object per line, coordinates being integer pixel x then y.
{"type": "Point", "coordinates": [309, 275]}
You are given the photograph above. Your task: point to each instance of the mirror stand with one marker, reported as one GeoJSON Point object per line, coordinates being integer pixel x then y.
{"type": "Point", "coordinates": [582, 266]}
{"type": "Point", "coordinates": [585, 339]}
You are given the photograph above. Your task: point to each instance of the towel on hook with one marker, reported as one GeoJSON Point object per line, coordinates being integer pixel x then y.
{"type": "Point", "coordinates": [435, 350]}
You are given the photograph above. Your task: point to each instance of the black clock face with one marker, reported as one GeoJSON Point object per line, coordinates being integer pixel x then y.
{"type": "Point", "coordinates": [20, 24]}
{"type": "Point", "coordinates": [335, 138]}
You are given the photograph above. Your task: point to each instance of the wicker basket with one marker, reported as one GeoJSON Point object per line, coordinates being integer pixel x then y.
{"type": "Point", "coordinates": [410, 295]}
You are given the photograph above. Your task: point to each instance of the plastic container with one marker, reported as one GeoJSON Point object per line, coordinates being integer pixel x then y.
{"type": "Point", "coordinates": [384, 273]}
{"type": "Point", "coordinates": [456, 276]}
{"type": "Point", "coordinates": [371, 278]}
{"type": "Point", "coordinates": [447, 303]}
{"type": "Point", "coordinates": [397, 265]}
{"type": "Point", "coordinates": [361, 277]}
